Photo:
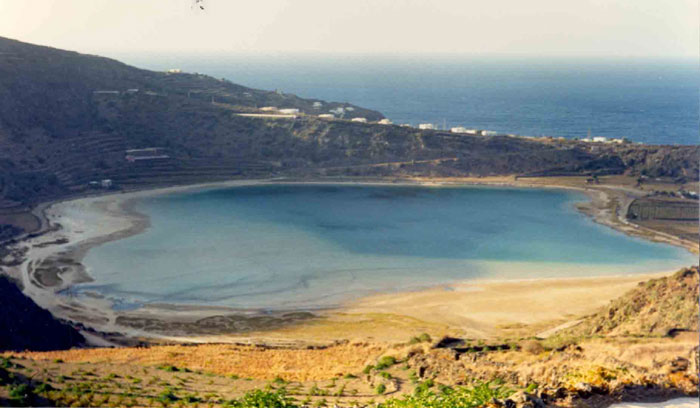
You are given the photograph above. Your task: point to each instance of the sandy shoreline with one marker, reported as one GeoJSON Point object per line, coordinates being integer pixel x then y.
{"type": "Point", "coordinates": [53, 264]}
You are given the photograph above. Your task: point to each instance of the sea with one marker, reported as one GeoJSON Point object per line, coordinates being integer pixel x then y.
{"type": "Point", "coordinates": [651, 101]}
{"type": "Point", "coordinates": [285, 247]}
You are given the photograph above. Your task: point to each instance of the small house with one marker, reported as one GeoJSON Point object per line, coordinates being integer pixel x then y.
{"type": "Point", "coordinates": [426, 126]}
{"type": "Point", "coordinates": [289, 111]}
{"type": "Point", "coordinates": [361, 120]}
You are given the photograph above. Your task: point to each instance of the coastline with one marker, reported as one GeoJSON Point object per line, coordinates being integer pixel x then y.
{"type": "Point", "coordinates": [53, 264]}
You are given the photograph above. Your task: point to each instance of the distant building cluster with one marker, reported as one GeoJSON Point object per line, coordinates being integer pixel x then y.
{"type": "Point", "coordinates": [601, 139]}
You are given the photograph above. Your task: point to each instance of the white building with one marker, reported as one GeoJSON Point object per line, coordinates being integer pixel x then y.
{"type": "Point", "coordinates": [317, 105]}
{"type": "Point", "coordinates": [268, 108]}
{"type": "Point", "coordinates": [361, 120]}
{"type": "Point", "coordinates": [326, 116]}
{"type": "Point", "coordinates": [289, 111]}
{"type": "Point", "coordinates": [385, 122]}
{"type": "Point", "coordinates": [458, 129]}
{"type": "Point", "coordinates": [174, 71]}
{"type": "Point", "coordinates": [600, 139]}
{"type": "Point", "coordinates": [488, 133]}
{"type": "Point", "coordinates": [106, 183]}
{"type": "Point", "coordinates": [426, 126]}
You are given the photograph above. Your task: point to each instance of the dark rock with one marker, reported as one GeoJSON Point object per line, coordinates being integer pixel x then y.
{"type": "Point", "coordinates": [680, 364]}
{"type": "Point", "coordinates": [26, 326]}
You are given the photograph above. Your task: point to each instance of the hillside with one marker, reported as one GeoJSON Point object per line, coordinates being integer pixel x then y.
{"type": "Point", "coordinates": [67, 119]}
{"type": "Point", "coordinates": [24, 325]}
{"type": "Point", "coordinates": [421, 372]}
{"type": "Point", "coordinates": [656, 307]}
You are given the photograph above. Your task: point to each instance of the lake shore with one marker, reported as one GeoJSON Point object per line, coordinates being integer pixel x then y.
{"type": "Point", "coordinates": [53, 265]}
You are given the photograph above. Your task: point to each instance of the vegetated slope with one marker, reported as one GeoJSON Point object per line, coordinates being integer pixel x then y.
{"type": "Point", "coordinates": [655, 307]}
{"type": "Point", "coordinates": [67, 119]}
{"type": "Point", "coordinates": [26, 326]}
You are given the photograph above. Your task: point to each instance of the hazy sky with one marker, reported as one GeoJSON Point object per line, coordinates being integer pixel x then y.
{"type": "Point", "coordinates": [655, 28]}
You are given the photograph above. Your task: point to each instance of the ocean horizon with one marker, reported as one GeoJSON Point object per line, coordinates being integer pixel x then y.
{"type": "Point", "coordinates": [652, 101]}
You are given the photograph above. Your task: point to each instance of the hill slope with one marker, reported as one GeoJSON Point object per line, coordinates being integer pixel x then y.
{"type": "Point", "coordinates": [67, 119]}
{"type": "Point", "coordinates": [655, 307]}
{"type": "Point", "coordinates": [26, 326]}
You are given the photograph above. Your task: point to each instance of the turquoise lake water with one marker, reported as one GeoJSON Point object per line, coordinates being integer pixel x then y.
{"type": "Point", "coordinates": [307, 246]}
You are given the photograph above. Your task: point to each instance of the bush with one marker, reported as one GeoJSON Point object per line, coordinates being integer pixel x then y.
{"type": "Point", "coordinates": [264, 399]}
{"type": "Point", "coordinates": [385, 362]}
{"type": "Point", "coordinates": [422, 338]}
{"type": "Point", "coordinates": [167, 396]}
{"type": "Point", "coordinates": [42, 388]}
{"type": "Point", "coordinates": [21, 394]}
{"type": "Point", "coordinates": [465, 397]}
{"type": "Point", "coordinates": [381, 389]}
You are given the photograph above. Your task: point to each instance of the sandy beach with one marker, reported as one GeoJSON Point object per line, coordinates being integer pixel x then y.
{"type": "Point", "coordinates": [481, 309]}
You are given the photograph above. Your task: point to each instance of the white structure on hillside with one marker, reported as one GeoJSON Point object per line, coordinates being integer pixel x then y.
{"type": "Point", "coordinates": [600, 139]}
{"type": "Point", "coordinates": [106, 183]}
{"type": "Point", "coordinates": [326, 116]}
{"type": "Point", "coordinates": [361, 120]}
{"type": "Point", "coordinates": [385, 122]}
{"type": "Point", "coordinates": [426, 126]}
{"type": "Point", "coordinates": [268, 108]}
{"type": "Point", "coordinates": [458, 129]}
{"type": "Point", "coordinates": [174, 71]}
{"type": "Point", "coordinates": [289, 111]}
{"type": "Point", "coordinates": [488, 133]}
{"type": "Point", "coordinates": [339, 111]}
{"type": "Point", "coordinates": [317, 105]}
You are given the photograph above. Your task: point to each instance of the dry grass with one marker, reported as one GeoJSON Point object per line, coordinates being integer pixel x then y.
{"type": "Point", "coordinates": [244, 361]}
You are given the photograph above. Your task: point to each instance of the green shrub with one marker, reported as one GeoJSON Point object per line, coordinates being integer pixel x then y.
{"type": "Point", "coordinates": [464, 397]}
{"type": "Point", "coordinates": [385, 362]}
{"type": "Point", "coordinates": [21, 395]}
{"type": "Point", "coordinates": [381, 389]}
{"type": "Point", "coordinates": [424, 386]}
{"type": "Point", "coordinates": [167, 396]}
{"type": "Point", "coordinates": [422, 338]}
{"type": "Point", "coordinates": [531, 388]}
{"type": "Point", "coordinates": [368, 369]}
{"type": "Point", "coordinates": [42, 388]}
{"type": "Point", "coordinates": [264, 399]}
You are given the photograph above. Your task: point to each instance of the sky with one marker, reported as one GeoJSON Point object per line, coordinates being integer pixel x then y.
{"type": "Point", "coordinates": [579, 28]}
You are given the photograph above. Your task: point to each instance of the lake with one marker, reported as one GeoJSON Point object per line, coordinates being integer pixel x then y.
{"type": "Point", "coordinates": [280, 247]}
